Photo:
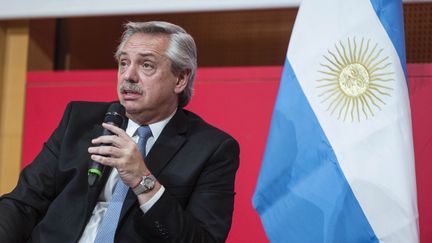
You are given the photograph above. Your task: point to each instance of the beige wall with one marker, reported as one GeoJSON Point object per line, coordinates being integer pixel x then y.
{"type": "Point", "coordinates": [13, 68]}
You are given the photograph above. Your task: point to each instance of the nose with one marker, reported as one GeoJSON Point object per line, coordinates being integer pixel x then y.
{"type": "Point", "coordinates": [131, 74]}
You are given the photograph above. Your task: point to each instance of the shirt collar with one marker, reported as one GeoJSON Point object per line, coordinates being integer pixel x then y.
{"type": "Point", "coordinates": [156, 128]}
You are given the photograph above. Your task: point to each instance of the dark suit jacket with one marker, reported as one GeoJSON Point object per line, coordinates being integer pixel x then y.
{"type": "Point", "coordinates": [194, 161]}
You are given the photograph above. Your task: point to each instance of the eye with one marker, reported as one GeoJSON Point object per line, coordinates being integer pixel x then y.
{"type": "Point", "coordinates": [123, 63]}
{"type": "Point", "coordinates": [148, 65]}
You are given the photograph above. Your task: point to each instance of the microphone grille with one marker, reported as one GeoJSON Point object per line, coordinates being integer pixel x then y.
{"type": "Point", "coordinates": [115, 114]}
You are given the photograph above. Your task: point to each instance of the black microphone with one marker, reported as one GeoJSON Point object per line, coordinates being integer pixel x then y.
{"type": "Point", "coordinates": [115, 116]}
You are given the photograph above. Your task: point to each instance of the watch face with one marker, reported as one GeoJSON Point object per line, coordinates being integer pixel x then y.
{"type": "Point", "coordinates": [149, 183]}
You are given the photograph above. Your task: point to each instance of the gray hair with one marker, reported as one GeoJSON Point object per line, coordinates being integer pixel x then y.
{"type": "Point", "coordinates": [181, 50]}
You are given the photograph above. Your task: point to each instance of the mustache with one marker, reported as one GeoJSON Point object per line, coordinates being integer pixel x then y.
{"type": "Point", "coordinates": [130, 87]}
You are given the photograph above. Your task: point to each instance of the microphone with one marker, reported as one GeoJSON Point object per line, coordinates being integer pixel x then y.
{"type": "Point", "coordinates": [115, 116]}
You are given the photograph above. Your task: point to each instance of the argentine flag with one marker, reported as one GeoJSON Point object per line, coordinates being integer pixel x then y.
{"type": "Point", "coordinates": [339, 163]}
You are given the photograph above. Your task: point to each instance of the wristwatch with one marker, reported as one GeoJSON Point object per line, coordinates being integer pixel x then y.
{"type": "Point", "coordinates": [147, 184]}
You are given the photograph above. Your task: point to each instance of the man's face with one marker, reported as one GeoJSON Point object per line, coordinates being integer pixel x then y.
{"type": "Point", "coordinates": [146, 86]}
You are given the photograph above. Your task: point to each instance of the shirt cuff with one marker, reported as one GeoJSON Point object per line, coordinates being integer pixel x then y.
{"type": "Point", "coordinates": [146, 206]}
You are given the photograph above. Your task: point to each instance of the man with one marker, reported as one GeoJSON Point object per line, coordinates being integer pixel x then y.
{"type": "Point", "coordinates": [181, 189]}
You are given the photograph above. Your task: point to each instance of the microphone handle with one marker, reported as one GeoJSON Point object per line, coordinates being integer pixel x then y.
{"type": "Point", "coordinates": [96, 169]}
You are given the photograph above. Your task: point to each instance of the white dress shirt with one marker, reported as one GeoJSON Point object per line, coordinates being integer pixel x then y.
{"type": "Point", "coordinates": [90, 231]}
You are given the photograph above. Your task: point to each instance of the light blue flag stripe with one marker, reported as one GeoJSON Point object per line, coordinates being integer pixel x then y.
{"type": "Point", "coordinates": [390, 13]}
{"type": "Point", "coordinates": [302, 194]}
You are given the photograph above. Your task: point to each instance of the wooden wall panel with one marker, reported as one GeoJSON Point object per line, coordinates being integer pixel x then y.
{"type": "Point", "coordinates": [13, 69]}
{"type": "Point", "coordinates": [241, 38]}
{"type": "Point", "coordinates": [418, 32]}
{"type": "Point", "coordinates": [229, 38]}
{"type": "Point", "coordinates": [234, 38]}
{"type": "Point", "coordinates": [42, 44]}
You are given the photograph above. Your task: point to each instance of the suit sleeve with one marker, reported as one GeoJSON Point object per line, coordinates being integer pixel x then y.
{"type": "Point", "coordinates": [23, 208]}
{"type": "Point", "coordinates": [208, 214]}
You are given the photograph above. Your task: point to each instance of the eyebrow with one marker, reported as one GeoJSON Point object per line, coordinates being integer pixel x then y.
{"type": "Point", "coordinates": [140, 54]}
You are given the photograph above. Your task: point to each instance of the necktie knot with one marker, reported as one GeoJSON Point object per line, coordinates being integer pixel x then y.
{"type": "Point", "coordinates": [143, 133]}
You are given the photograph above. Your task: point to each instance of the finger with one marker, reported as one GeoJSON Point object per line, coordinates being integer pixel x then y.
{"type": "Point", "coordinates": [115, 130]}
{"type": "Point", "coordinates": [108, 139]}
{"type": "Point", "coordinates": [103, 160]}
{"type": "Point", "coordinates": [105, 151]}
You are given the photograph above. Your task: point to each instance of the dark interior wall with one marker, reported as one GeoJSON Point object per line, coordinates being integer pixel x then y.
{"type": "Point", "coordinates": [418, 32]}
{"type": "Point", "coordinates": [229, 38]}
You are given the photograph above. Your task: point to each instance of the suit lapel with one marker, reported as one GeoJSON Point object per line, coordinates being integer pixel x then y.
{"type": "Point", "coordinates": [169, 142]}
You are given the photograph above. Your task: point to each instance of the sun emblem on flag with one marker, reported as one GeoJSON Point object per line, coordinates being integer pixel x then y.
{"type": "Point", "coordinates": [355, 79]}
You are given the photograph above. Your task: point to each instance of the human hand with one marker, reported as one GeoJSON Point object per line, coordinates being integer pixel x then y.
{"type": "Point", "coordinates": [121, 152]}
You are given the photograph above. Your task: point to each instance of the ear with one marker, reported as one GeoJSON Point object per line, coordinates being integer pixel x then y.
{"type": "Point", "coordinates": [182, 81]}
